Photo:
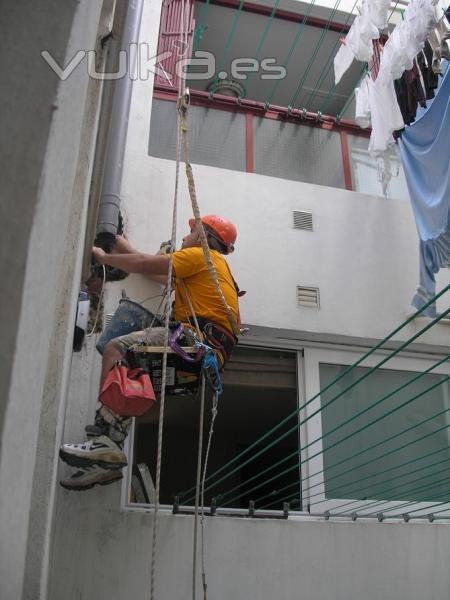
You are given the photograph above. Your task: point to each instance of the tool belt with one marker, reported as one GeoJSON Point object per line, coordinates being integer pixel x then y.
{"type": "Point", "coordinates": [220, 339]}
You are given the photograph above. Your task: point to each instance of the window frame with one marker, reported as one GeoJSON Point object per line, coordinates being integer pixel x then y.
{"type": "Point", "coordinates": [413, 362]}
{"type": "Point", "coordinates": [127, 505]}
{"type": "Point", "coordinates": [309, 356]}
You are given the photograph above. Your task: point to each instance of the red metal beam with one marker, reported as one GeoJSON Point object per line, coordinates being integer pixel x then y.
{"type": "Point", "coordinates": [286, 15]}
{"type": "Point", "coordinates": [346, 161]}
{"type": "Point", "coordinates": [272, 111]}
{"type": "Point", "coordinates": [249, 142]}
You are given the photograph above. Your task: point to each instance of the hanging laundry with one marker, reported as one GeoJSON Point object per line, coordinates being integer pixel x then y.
{"type": "Point", "coordinates": [440, 43]}
{"type": "Point", "coordinates": [362, 104]}
{"type": "Point", "coordinates": [358, 42]}
{"type": "Point", "coordinates": [425, 151]}
{"type": "Point", "coordinates": [342, 61]}
{"type": "Point", "coordinates": [430, 78]}
{"type": "Point", "coordinates": [407, 39]}
{"type": "Point", "coordinates": [410, 93]}
{"type": "Point", "coordinates": [378, 106]}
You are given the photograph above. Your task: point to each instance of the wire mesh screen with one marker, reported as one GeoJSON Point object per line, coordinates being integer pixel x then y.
{"type": "Point", "coordinates": [216, 137]}
{"type": "Point", "coordinates": [298, 152]}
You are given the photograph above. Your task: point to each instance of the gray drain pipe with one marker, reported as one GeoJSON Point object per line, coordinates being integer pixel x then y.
{"type": "Point", "coordinates": [109, 206]}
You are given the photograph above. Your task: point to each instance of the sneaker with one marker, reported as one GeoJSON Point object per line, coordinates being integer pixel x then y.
{"type": "Point", "coordinates": [100, 451]}
{"type": "Point", "coordinates": [85, 479]}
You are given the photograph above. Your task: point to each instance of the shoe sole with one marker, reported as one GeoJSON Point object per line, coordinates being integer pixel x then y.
{"type": "Point", "coordinates": [89, 486]}
{"type": "Point", "coordinates": [83, 461]}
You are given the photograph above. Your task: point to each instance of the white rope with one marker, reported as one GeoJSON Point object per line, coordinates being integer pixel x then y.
{"type": "Point", "coordinates": [182, 109]}
{"type": "Point", "coordinates": [197, 489]}
{"type": "Point", "coordinates": [166, 343]}
{"type": "Point", "coordinates": [205, 467]}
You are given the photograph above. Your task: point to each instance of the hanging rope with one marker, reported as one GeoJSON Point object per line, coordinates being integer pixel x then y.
{"type": "Point", "coordinates": [181, 86]}
{"type": "Point", "coordinates": [197, 492]}
{"type": "Point", "coordinates": [183, 105]}
{"type": "Point", "coordinates": [205, 467]}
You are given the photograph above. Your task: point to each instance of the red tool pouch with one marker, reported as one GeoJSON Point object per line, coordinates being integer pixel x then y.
{"type": "Point", "coordinates": [128, 393]}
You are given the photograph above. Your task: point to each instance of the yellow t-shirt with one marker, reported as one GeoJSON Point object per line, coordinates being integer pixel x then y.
{"type": "Point", "coordinates": [190, 265]}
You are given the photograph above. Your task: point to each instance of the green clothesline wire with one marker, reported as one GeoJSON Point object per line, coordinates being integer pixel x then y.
{"type": "Point", "coordinates": [351, 502]}
{"type": "Point", "coordinates": [397, 496]}
{"type": "Point", "coordinates": [373, 504]}
{"type": "Point", "coordinates": [413, 502]}
{"type": "Point", "coordinates": [352, 418]}
{"type": "Point", "coordinates": [343, 374]}
{"type": "Point", "coordinates": [313, 57]}
{"type": "Point", "coordinates": [229, 38]}
{"type": "Point", "coordinates": [330, 63]}
{"type": "Point", "coordinates": [200, 28]}
{"type": "Point", "coordinates": [291, 50]}
{"type": "Point", "coordinates": [301, 462]}
{"type": "Point", "coordinates": [262, 39]}
{"type": "Point", "coordinates": [295, 427]}
{"type": "Point", "coordinates": [368, 462]}
{"type": "Point", "coordinates": [307, 497]}
{"type": "Point", "coordinates": [426, 508]}
{"type": "Point", "coordinates": [372, 460]}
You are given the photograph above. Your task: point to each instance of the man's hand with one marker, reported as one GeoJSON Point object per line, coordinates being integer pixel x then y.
{"type": "Point", "coordinates": [98, 255]}
{"type": "Point", "coordinates": [123, 246]}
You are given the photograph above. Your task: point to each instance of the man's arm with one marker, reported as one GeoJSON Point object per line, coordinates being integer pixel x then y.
{"type": "Point", "coordinates": [144, 264]}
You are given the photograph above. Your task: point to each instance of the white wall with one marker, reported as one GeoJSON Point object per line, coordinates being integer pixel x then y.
{"type": "Point", "coordinates": [103, 554]}
{"type": "Point", "coordinates": [363, 253]}
{"type": "Point", "coordinates": [49, 138]}
{"type": "Point", "coordinates": [363, 256]}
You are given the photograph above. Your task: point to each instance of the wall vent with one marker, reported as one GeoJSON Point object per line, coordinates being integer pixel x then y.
{"type": "Point", "coordinates": [302, 220]}
{"type": "Point", "coordinates": [308, 296]}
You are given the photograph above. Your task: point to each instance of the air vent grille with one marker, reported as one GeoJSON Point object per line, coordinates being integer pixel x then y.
{"type": "Point", "coordinates": [302, 220]}
{"type": "Point", "coordinates": [308, 296]}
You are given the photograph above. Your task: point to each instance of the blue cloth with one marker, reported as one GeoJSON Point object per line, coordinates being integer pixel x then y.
{"type": "Point", "coordinates": [425, 152]}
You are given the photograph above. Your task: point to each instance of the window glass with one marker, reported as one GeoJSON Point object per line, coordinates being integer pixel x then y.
{"type": "Point", "coordinates": [381, 462]}
{"type": "Point", "coordinates": [366, 172]}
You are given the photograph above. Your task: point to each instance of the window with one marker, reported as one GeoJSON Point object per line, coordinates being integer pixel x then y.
{"type": "Point", "coordinates": [260, 389]}
{"type": "Point", "coordinates": [396, 452]}
{"type": "Point", "coordinates": [366, 174]}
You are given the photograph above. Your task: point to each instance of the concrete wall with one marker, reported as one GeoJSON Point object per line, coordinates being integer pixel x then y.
{"type": "Point", "coordinates": [48, 129]}
{"type": "Point", "coordinates": [110, 557]}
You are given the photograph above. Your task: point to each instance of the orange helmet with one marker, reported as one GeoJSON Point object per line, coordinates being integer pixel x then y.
{"type": "Point", "coordinates": [224, 229]}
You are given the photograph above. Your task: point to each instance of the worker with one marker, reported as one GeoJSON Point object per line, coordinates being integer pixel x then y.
{"type": "Point", "coordinates": [100, 459]}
